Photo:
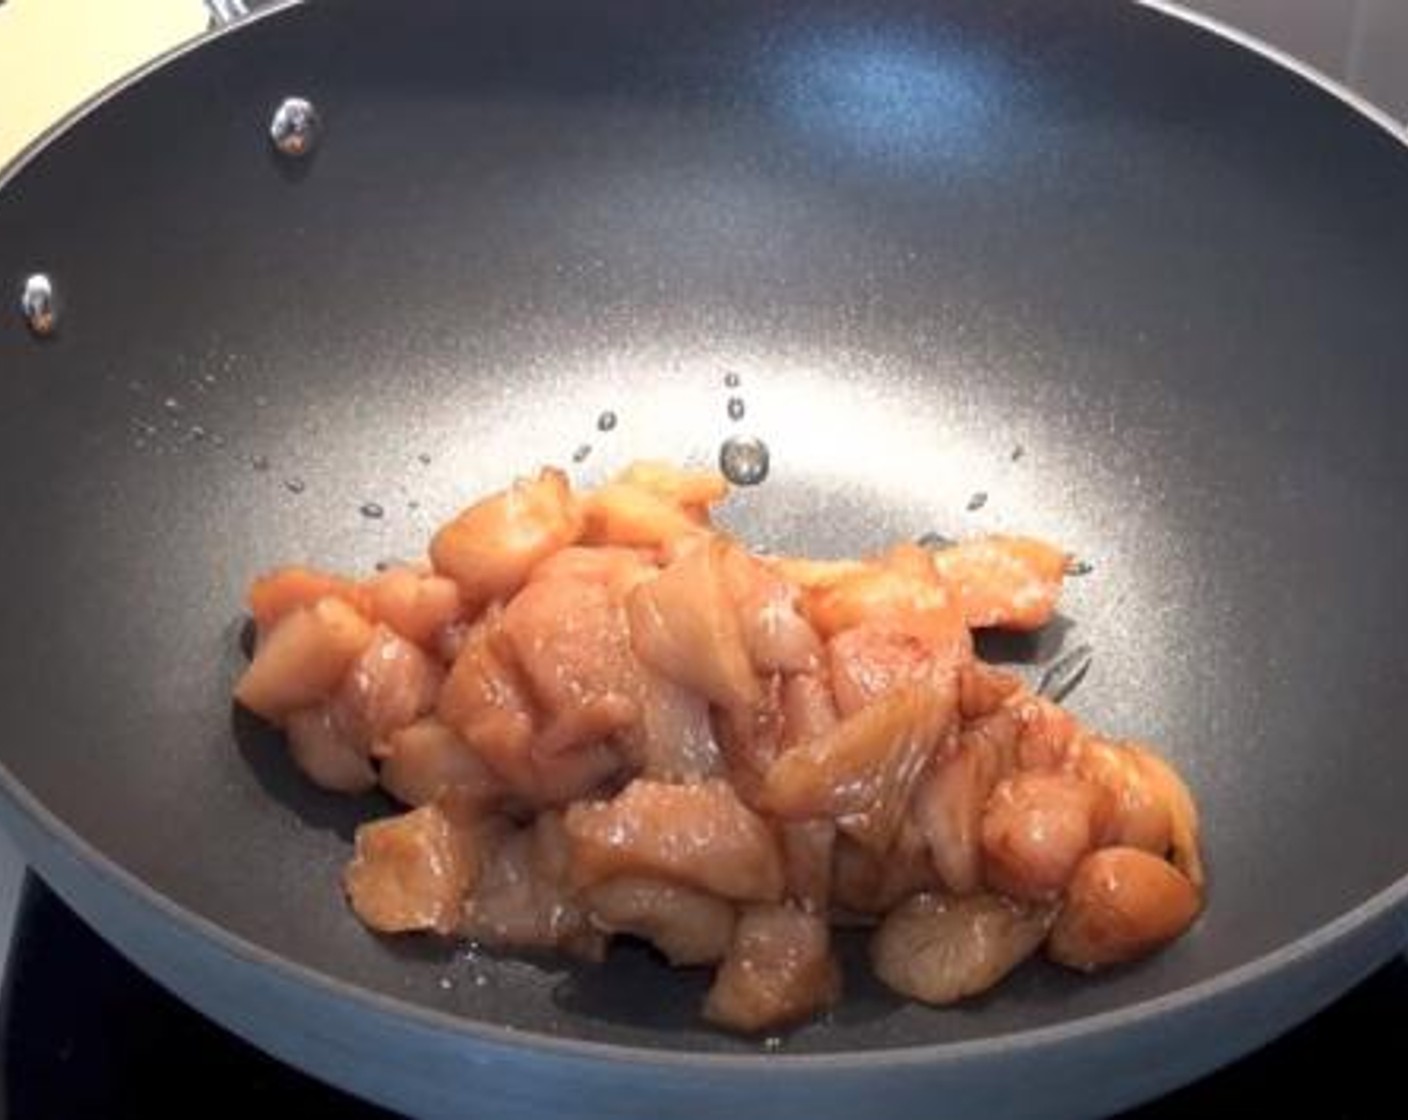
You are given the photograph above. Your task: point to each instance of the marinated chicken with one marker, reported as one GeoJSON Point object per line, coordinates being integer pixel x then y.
{"type": "Point", "coordinates": [606, 718]}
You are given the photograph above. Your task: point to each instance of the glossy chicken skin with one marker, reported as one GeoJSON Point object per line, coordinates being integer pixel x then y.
{"type": "Point", "coordinates": [609, 719]}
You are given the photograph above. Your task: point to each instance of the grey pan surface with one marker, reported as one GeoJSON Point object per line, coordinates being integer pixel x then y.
{"type": "Point", "coordinates": [924, 235]}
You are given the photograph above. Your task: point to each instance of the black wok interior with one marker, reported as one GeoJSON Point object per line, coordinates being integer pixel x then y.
{"type": "Point", "coordinates": [923, 234]}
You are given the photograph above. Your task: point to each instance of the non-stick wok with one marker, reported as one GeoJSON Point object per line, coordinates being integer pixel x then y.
{"type": "Point", "coordinates": [1144, 291]}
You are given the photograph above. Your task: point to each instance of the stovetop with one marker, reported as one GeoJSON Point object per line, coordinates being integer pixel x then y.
{"type": "Point", "coordinates": [84, 1034]}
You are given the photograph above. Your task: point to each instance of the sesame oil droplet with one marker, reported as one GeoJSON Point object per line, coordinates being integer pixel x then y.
{"type": "Point", "coordinates": [295, 485]}
{"type": "Point", "coordinates": [744, 461]}
{"type": "Point", "coordinates": [736, 408]}
{"type": "Point", "coordinates": [372, 511]}
{"type": "Point", "coordinates": [606, 421]}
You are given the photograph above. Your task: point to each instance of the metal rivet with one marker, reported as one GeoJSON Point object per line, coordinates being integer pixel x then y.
{"type": "Point", "coordinates": [41, 309]}
{"type": "Point", "coordinates": [296, 127]}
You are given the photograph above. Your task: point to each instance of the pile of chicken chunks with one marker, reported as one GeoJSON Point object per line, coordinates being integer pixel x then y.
{"type": "Point", "coordinates": [607, 717]}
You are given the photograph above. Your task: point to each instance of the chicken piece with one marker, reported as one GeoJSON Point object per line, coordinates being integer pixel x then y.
{"type": "Point", "coordinates": [574, 646]}
{"type": "Point", "coordinates": [814, 575]}
{"type": "Point", "coordinates": [779, 971]}
{"type": "Point", "coordinates": [808, 709]}
{"type": "Point", "coordinates": [983, 688]}
{"type": "Point", "coordinates": [412, 872]}
{"type": "Point", "coordinates": [421, 762]}
{"type": "Point", "coordinates": [447, 642]}
{"type": "Point", "coordinates": [777, 637]}
{"type": "Point", "coordinates": [485, 701]}
{"type": "Point", "coordinates": [808, 850]}
{"type": "Point", "coordinates": [688, 926]}
{"type": "Point", "coordinates": [303, 658]}
{"type": "Point", "coordinates": [674, 738]}
{"type": "Point", "coordinates": [692, 490]}
{"type": "Point", "coordinates": [869, 884]}
{"type": "Point", "coordinates": [699, 836]}
{"type": "Point", "coordinates": [1047, 733]}
{"type": "Point", "coordinates": [940, 950]}
{"type": "Point", "coordinates": [684, 625]}
{"type": "Point", "coordinates": [862, 773]}
{"type": "Point", "coordinates": [1036, 829]}
{"type": "Point", "coordinates": [627, 516]}
{"type": "Point", "coordinates": [282, 591]}
{"type": "Point", "coordinates": [329, 757]}
{"type": "Point", "coordinates": [617, 569]}
{"type": "Point", "coordinates": [895, 600]}
{"type": "Point", "coordinates": [1008, 582]}
{"type": "Point", "coordinates": [1122, 903]}
{"type": "Point", "coordinates": [950, 800]}
{"type": "Point", "coordinates": [390, 685]}
{"type": "Point", "coordinates": [1139, 815]}
{"type": "Point", "coordinates": [489, 549]}
{"type": "Point", "coordinates": [868, 661]}
{"type": "Point", "coordinates": [751, 740]}
{"type": "Point", "coordinates": [415, 605]}
{"type": "Point", "coordinates": [523, 899]}
{"type": "Point", "coordinates": [1183, 813]}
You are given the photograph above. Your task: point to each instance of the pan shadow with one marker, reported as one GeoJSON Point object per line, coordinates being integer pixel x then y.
{"type": "Point", "coordinates": [634, 987]}
{"type": "Point", "coordinates": [1024, 649]}
{"type": "Point", "coordinates": [263, 749]}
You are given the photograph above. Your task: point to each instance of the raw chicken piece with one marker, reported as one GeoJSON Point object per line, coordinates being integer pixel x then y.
{"type": "Point", "coordinates": [282, 591]}
{"type": "Point", "coordinates": [523, 898]}
{"type": "Point", "coordinates": [777, 637]}
{"type": "Point", "coordinates": [779, 970]}
{"type": "Point", "coordinates": [808, 850]}
{"type": "Point", "coordinates": [627, 516]}
{"type": "Point", "coordinates": [1046, 733]}
{"type": "Point", "coordinates": [1122, 903]}
{"type": "Point", "coordinates": [698, 836]}
{"type": "Point", "coordinates": [411, 872]}
{"type": "Point", "coordinates": [692, 490]}
{"type": "Point", "coordinates": [489, 549]}
{"type": "Point", "coordinates": [868, 661]}
{"type": "Point", "coordinates": [688, 926]}
{"type": "Point", "coordinates": [618, 569]}
{"type": "Point", "coordinates": [896, 600]}
{"type": "Point", "coordinates": [421, 762]}
{"type": "Point", "coordinates": [1183, 813]}
{"type": "Point", "coordinates": [1139, 814]}
{"type": "Point", "coordinates": [331, 758]}
{"type": "Point", "coordinates": [941, 950]}
{"type": "Point", "coordinates": [982, 689]}
{"type": "Point", "coordinates": [861, 774]}
{"type": "Point", "coordinates": [808, 709]}
{"type": "Point", "coordinates": [868, 884]}
{"type": "Point", "coordinates": [684, 625]}
{"type": "Point", "coordinates": [1036, 828]}
{"type": "Point", "coordinates": [750, 740]}
{"type": "Point", "coordinates": [390, 685]}
{"type": "Point", "coordinates": [485, 701]}
{"type": "Point", "coordinates": [415, 605]}
{"type": "Point", "coordinates": [674, 739]}
{"type": "Point", "coordinates": [573, 644]}
{"type": "Point", "coordinates": [814, 575]}
{"type": "Point", "coordinates": [303, 658]}
{"type": "Point", "coordinates": [1010, 582]}
{"type": "Point", "coordinates": [950, 800]}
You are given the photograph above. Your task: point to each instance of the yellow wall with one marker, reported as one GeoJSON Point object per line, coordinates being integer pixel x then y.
{"type": "Point", "coordinates": [54, 53]}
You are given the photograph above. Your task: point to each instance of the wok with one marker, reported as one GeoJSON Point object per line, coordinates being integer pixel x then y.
{"type": "Point", "coordinates": [924, 235]}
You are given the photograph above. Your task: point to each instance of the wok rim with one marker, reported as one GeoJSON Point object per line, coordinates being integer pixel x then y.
{"type": "Point", "coordinates": [1322, 940]}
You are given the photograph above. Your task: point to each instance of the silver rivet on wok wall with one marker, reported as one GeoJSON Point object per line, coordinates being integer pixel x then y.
{"type": "Point", "coordinates": [296, 127]}
{"type": "Point", "coordinates": [40, 305]}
